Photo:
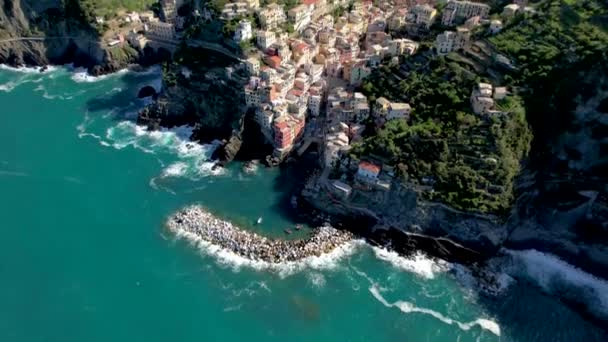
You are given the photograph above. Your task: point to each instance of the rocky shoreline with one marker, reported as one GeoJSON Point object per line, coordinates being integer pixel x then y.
{"type": "Point", "coordinates": [196, 220]}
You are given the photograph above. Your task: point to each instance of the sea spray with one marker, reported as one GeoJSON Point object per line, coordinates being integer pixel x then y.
{"type": "Point", "coordinates": [418, 263]}
{"type": "Point", "coordinates": [557, 277]}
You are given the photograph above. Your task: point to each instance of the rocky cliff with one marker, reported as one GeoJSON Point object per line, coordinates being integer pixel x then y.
{"type": "Point", "coordinates": [563, 203]}
{"type": "Point", "coordinates": [205, 91]}
{"type": "Point", "coordinates": [39, 33]}
{"type": "Point", "coordinates": [43, 32]}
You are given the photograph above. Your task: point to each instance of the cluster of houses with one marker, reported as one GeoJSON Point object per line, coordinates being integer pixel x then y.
{"type": "Point", "coordinates": [306, 59]}
{"type": "Point", "coordinates": [484, 97]}
{"type": "Point", "coordinates": [469, 15]}
{"type": "Point", "coordinates": [141, 29]}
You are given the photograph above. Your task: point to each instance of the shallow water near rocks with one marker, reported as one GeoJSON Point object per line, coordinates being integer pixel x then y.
{"type": "Point", "coordinates": [84, 255]}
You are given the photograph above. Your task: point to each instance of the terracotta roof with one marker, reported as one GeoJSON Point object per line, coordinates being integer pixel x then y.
{"type": "Point", "coordinates": [369, 167]}
{"type": "Point", "coordinates": [281, 125]}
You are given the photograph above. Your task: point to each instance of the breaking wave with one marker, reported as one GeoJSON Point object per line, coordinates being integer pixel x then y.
{"type": "Point", "coordinates": [228, 259]}
{"type": "Point", "coordinates": [81, 75]}
{"type": "Point", "coordinates": [419, 263]}
{"type": "Point", "coordinates": [29, 70]}
{"type": "Point", "coordinates": [193, 158]}
{"type": "Point", "coordinates": [408, 307]}
{"type": "Point", "coordinates": [557, 277]}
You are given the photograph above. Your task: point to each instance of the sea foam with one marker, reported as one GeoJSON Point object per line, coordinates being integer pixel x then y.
{"type": "Point", "coordinates": [81, 75]}
{"type": "Point", "coordinates": [419, 263]}
{"type": "Point", "coordinates": [29, 70]}
{"type": "Point", "coordinates": [229, 259]}
{"type": "Point", "coordinates": [408, 307]}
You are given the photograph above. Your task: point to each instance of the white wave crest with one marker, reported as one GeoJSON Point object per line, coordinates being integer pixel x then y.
{"type": "Point", "coordinates": [419, 263]}
{"type": "Point", "coordinates": [175, 170]}
{"type": "Point", "coordinates": [29, 70]}
{"type": "Point", "coordinates": [408, 307]}
{"type": "Point", "coordinates": [81, 75]}
{"type": "Point", "coordinates": [234, 261]}
{"type": "Point", "coordinates": [556, 276]}
{"type": "Point", "coordinates": [7, 87]}
{"type": "Point", "coordinates": [316, 279]}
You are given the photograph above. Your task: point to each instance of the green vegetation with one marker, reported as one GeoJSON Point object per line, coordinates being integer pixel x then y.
{"type": "Point", "coordinates": [553, 51]}
{"type": "Point", "coordinates": [123, 54]}
{"type": "Point", "coordinates": [470, 159]}
{"type": "Point", "coordinates": [89, 9]}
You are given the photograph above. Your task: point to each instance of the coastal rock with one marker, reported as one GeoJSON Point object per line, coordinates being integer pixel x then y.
{"type": "Point", "coordinates": [228, 151]}
{"type": "Point", "coordinates": [146, 92]}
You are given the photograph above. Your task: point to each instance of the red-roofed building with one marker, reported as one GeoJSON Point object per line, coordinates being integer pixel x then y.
{"type": "Point", "coordinates": [283, 134]}
{"type": "Point", "coordinates": [273, 61]}
{"type": "Point", "coordinates": [368, 171]}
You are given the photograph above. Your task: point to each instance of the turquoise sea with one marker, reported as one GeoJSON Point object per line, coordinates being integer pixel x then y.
{"type": "Point", "coordinates": [84, 256]}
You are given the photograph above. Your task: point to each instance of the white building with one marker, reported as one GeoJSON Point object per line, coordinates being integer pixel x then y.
{"type": "Point", "coordinates": [243, 31]}
{"type": "Point", "coordinates": [272, 16]}
{"type": "Point", "coordinates": [314, 104]}
{"type": "Point", "coordinates": [495, 26]}
{"type": "Point", "coordinates": [397, 47]}
{"type": "Point", "coordinates": [265, 39]}
{"type": "Point", "coordinates": [456, 10]}
{"type": "Point", "coordinates": [169, 9]}
{"type": "Point", "coordinates": [161, 31]}
{"type": "Point", "coordinates": [510, 10]}
{"type": "Point", "coordinates": [300, 17]}
{"type": "Point", "coordinates": [398, 111]}
{"type": "Point", "coordinates": [450, 41]}
{"type": "Point", "coordinates": [234, 9]}
{"type": "Point", "coordinates": [368, 171]}
{"type": "Point", "coordinates": [253, 66]}
{"type": "Point", "coordinates": [481, 98]}
{"type": "Point", "coordinates": [423, 15]}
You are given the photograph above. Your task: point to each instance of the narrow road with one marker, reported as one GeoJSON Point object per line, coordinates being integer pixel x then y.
{"type": "Point", "coordinates": [20, 39]}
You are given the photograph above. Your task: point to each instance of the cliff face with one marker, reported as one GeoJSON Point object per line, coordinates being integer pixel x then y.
{"type": "Point", "coordinates": [65, 40]}
{"type": "Point", "coordinates": [204, 91]}
{"type": "Point", "coordinates": [563, 204]}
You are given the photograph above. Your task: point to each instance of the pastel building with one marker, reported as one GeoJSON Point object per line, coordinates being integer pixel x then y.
{"type": "Point", "coordinates": [243, 31]}
{"type": "Point", "coordinates": [456, 11]}
{"type": "Point", "coordinates": [272, 16]}
{"type": "Point", "coordinates": [368, 172]}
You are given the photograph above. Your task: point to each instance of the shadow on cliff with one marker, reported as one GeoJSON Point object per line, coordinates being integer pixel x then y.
{"type": "Point", "coordinates": [123, 99]}
{"type": "Point", "coordinates": [69, 36]}
{"type": "Point", "coordinates": [290, 182]}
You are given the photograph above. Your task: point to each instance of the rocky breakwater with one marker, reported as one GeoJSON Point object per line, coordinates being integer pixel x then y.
{"type": "Point", "coordinates": [196, 220]}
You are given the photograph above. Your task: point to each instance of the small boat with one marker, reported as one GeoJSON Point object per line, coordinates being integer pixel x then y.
{"type": "Point", "coordinates": [287, 231]}
{"type": "Point", "coordinates": [259, 221]}
{"type": "Point", "coordinates": [298, 226]}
